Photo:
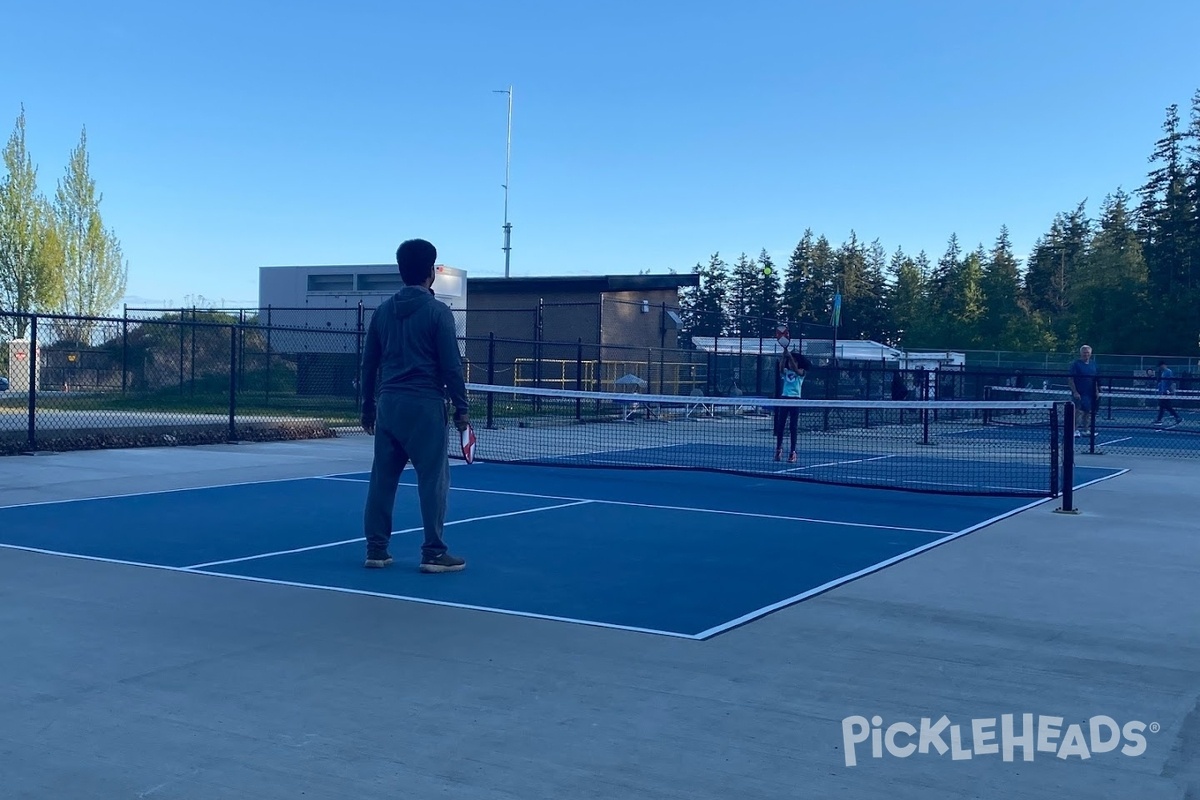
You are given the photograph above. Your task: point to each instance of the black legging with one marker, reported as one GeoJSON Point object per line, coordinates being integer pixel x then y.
{"type": "Point", "coordinates": [783, 416]}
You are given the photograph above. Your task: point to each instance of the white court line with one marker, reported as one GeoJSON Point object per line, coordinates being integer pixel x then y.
{"type": "Point", "coordinates": [840, 523]}
{"type": "Point", "coordinates": [832, 464]}
{"type": "Point", "coordinates": [447, 604]}
{"type": "Point", "coordinates": [1105, 444]}
{"type": "Point", "coordinates": [344, 590]}
{"type": "Point", "coordinates": [707, 634]}
{"type": "Point", "coordinates": [753, 615]}
{"type": "Point", "coordinates": [330, 476]}
{"type": "Point", "coordinates": [359, 538]}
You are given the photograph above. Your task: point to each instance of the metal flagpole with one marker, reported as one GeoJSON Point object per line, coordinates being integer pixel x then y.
{"type": "Point", "coordinates": [507, 171]}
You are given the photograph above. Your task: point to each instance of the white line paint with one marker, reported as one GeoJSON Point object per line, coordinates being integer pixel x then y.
{"type": "Point", "coordinates": [754, 515]}
{"type": "Point", "coordinates": [447, 604]}
{"type": "Point", "coordinates": [753, 615]}
{"type": "Point", "coordinates": [344, 590]}
{"type": "Point", "coordinates": [360, 538]}
{"type": "Point", "coordinates": [170, 491]}
{"type": "Point", "coordinates": [833, 464]}
{"type": "Point", "coordinates": [707, 634]}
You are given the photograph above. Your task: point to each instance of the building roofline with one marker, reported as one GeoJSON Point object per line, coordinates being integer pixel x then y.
{"type": "Point", "coordinates": [590, 283]}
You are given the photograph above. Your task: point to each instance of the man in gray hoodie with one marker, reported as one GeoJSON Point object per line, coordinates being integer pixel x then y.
{"type": "Point", "coordinates": [412, 344]}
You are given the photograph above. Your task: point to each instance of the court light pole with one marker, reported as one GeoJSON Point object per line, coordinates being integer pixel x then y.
{"type": "Point", "coordinates": [507, 171]}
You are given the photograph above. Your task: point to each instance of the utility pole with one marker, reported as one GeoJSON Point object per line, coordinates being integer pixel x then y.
{"type": "Point", "coordinates": [507, 171]}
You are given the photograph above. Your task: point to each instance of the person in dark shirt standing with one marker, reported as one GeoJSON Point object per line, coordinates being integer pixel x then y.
{"type": "Point", "coordinates": [1166, 388]}
{"type": "Point", "coordinates": [412, 342]}
{"type": "Point", "coordinates": [1085, 389]}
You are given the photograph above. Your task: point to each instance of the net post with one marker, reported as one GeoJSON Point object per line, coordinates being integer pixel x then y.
{"type": "Point", "coordinates": [1068, 462]}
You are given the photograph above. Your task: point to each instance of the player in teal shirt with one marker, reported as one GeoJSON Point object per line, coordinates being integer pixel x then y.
{"type": "Point", "coordinates": [789, 379]}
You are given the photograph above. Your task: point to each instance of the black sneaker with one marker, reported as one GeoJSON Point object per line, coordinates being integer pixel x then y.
{"type": "Point", "coordinates": [377, 561]}
{"type": "Point", "coordinates": [442, 563]}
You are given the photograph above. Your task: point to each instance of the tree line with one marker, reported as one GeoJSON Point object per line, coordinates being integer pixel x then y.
{"type": "Point", "coordinates": [1126, 281]}
{"type": "Point", "coordinates": [56, 255]}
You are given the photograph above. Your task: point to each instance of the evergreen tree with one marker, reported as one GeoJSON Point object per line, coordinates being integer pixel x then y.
{"type": "Point", "coordinates": [851, 266]}
{"type": "Point", "coordinates": [1051, 277]}
{"type": "Point", "coordinates": [877, 317]}
{"type": "Point", "coordinates": [801, 292]}
{"type": "Point", "coordinates": [704, 306]}
{"type": "Point", "coordinates": [1113, 305]}
{"type": "Point", "coordinates": [766, 304]}
{"type": "Point", "coordinates": [743, 291]}
{"type": "Point", "coordinates": [965, 312]}
{"type": "Point", "coordinates": [940, 291]}
{"type": "Point", "coordinates": [1007, 323]}
{"type": "Point", "coordinates": [823, 284]}
{"type": "Point", "coordinates": [906, 301]}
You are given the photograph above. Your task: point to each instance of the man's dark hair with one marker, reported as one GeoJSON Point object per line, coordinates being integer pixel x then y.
{"type": "Point", "coordinates": [416, 258]}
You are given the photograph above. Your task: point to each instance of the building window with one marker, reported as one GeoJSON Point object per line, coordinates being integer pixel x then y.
{"type": "Point", "coordinates": [331, 283]}
{"type": "Point", "coordinates": [380, 283]}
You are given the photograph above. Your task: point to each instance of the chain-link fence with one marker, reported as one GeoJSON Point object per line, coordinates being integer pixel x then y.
{"type": "Point", "coordinates": [196, 376]}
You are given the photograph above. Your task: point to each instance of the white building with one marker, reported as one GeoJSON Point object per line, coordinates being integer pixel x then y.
{"type": "Point", "coordinates": [326, 298]}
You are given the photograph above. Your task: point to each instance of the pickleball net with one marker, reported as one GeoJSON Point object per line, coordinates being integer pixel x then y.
{"type": "Point", "coordinates": [953, 447]}
{"type": "Point", "coordinates": [1118, 408]}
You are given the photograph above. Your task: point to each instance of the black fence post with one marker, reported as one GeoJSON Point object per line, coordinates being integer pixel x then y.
{"type": "Point", "coordinates": [491, 379]}
{"type": "Point", "coordinates": [241, 348]}
{"type": "Point", "coordinates": [182, 336]}
{"type": "Point", "coordinates": [31, 433]}
{"type": "Point", "coordinates": [124, 348]}
{"type": "Point", "coordinates": [579, 378]}
{"type": "Point", "coordinates": [233, 362]}
{"type": "Point", "coordinates": [1054, 451]}
{"type": "Point", "coordinates": [192, 385]}
{"type": "Point", "coordinates": [267, 391]}
{"type": "Point", "coordinates": [925, 411]}
{"type": "Point", "coordinates": [358, 356]}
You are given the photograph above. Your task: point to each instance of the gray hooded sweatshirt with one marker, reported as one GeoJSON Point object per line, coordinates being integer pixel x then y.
{"type": "Point", "coordinates": [412, 339]}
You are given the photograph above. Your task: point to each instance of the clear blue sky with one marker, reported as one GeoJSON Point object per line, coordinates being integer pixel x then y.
{"type": "Point", "coordinates": [226, 136]}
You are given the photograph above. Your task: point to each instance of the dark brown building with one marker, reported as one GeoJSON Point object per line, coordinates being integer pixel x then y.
{"type": "Point", "coordinates": [574, 331]}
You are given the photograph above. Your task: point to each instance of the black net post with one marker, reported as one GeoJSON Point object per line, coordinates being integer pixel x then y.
{"type": "Point", "coordinates": [1068, 461]}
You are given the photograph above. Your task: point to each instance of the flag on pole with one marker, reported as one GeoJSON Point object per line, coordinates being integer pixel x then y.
{"type": "Point", "coordinates": [837, 310]}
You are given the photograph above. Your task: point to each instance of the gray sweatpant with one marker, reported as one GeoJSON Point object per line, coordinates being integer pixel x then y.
{"type": "Point", "coordinates": [408, 429]}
